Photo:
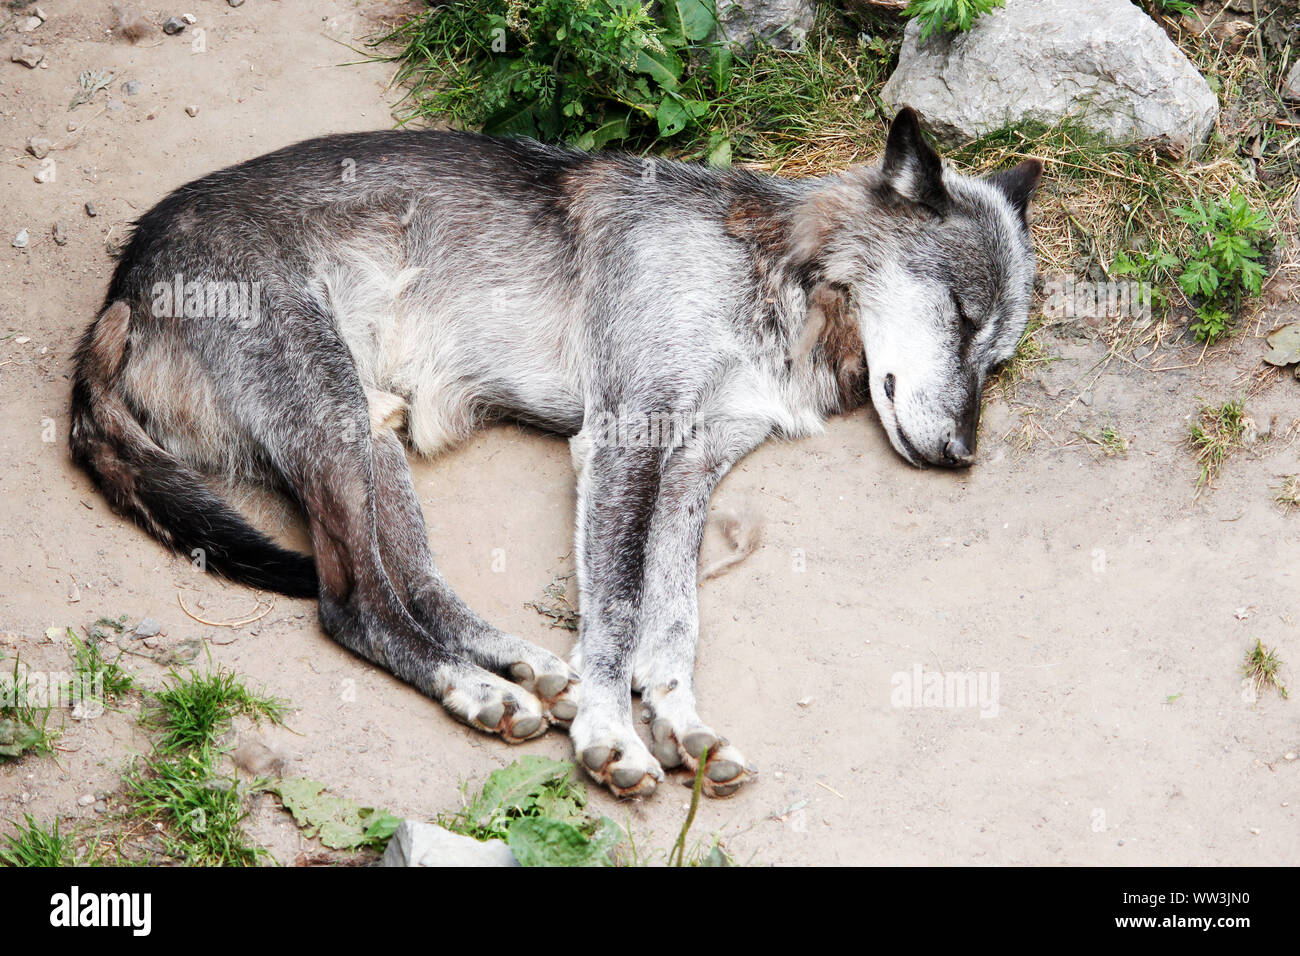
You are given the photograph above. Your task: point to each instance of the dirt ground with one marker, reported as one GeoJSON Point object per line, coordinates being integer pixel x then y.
{"type": "Point", "coordinates": [1112, 604]}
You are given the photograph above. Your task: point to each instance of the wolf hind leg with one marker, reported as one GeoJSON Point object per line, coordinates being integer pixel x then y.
{"type": "Point", "coordinates": [404, 549]}
{"type": "Point", "coordinates": [307, 410]}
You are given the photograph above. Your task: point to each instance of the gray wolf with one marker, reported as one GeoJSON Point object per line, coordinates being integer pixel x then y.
{"type": "Point", "coordinates": [299, 318]}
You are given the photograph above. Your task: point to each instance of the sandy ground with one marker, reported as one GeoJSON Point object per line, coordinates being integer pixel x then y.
{"type": "Point", "coordinates": [1113, 606]}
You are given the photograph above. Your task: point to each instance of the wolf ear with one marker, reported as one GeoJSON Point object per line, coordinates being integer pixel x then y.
{"type": "Point", "coordinates": [911, 169]}
{"type": "Point", "coordinates": [1018, 185]}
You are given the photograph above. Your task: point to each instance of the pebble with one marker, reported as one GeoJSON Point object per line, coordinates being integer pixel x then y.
{"type": "Point", "coordinates": [91, 211]}
{"type": "Point", "coordinates": [74, 592]}
{"type": "Point", "coordinates": [72, 126]}
{"type": "Point", "coordinates": [86, 800]}
{"type": "Point", "coordinates": [45, 174]}
{"type": "Point", "coordinates": [173, 26]}
{"type": "Point", "coordinates": [192, 110]}
{"type": "Point", "coordinates": [1290, 755]}
{"type": "Point", "coordinates": [20, 240]}
{"type": "Point", "coordinates": [28, 56]}
{"type": "Point", "coordinates": [131, 87]}
{"type": "Point", "coordinates": [41, 13]}
{"type": "Point", "coordinates": [39, 146]}
{"type": "Point", "coordinates": [235, 3]}
{"type": "Point", "coordinates": [189, 18]}
{"type": "Point", "coordinates": [29, 24]}
{"type": "Point", "coordinates": [101, 806]}
{"type": "Point", "coordinates": [148, 627]}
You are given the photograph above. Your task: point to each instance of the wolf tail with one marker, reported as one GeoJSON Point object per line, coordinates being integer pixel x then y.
{"type": "Point", "coordinates": [164, 496]}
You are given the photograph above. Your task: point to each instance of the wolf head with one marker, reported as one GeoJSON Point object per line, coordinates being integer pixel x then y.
{"type": "Point", "coordinates": [937, 269]}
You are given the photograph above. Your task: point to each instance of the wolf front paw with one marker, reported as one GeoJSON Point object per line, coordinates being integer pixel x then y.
{"type": "Point", "coordinates": [618, 760]}
{"type": "Point", "coordinates": [725, 767]}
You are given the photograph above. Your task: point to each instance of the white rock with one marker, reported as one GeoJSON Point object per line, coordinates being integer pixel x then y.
{"type": "Point", "coordinates": [1291, 85]}
{"type": "Point", "coordinates": [423, 844]}
{"type": "Point", "coordinates": [782, 23]}
{"type": "Point", "coordinates": [1112, 69]}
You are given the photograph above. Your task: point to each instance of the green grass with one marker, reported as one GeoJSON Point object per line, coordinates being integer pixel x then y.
{"type": "Point", "coordinates": [1261, 669]}
{"type": "Point", "coordinates": [95, 678]}
{"type": "Point", "coordinates": [1216, 433]}
{"type": "Point", "coordinates": [193, 712]}
{"type": "Point", "coordinates": [180, 785]}
{"type": "Point", "coordinates": [24, 723]}
{"type": "Point", "coordinates": [1108, 439]}
{"type": "Point", "coordinates": [34, 845]}
{"type": "Point", "coordinates": [203, 810]}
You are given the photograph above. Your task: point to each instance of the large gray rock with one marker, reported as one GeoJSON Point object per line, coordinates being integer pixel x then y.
{"type": "Point", "coordinates": [1105, 63]}
{"type": "Point", "coordinates": [423, 844]}
{"type": "Point", "coordinates": [782, 23]}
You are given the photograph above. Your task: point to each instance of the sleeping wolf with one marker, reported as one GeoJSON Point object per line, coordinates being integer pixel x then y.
{"type": "Point", "coordinates": [288, 318]}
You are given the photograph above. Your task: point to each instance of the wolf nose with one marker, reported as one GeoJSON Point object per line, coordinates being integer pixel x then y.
{"type": "Point", "coordinates": [956, 453]}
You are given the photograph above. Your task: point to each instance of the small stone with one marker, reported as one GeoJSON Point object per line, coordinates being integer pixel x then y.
{"type": "Point", "coordinates": [91, 211]}
{"type": "Point", "coordinates": [131, 87]}
{"type": "Point", "coordinates": [29, 24]}
{"type": "Point", "coordinates": [86, 800]}
{"type": "Point", "coordinates": [45, 174]}
{"type": "Point", "coordinates": [235, 3]}
{"type": "Point", "coordinates": [173, 26]}
{"type": "Point", "coordinates": [192, 110]}
{"type": "Point", "coordinates": [42, 14]}
{"type": "Point", "coordinates": [74, 592]}
{"type": "Point", "coordinates": [28, 56]}
{"type": "Point", "coordinates": [20, 240]}
{"type": "Point", "coordinates": [1255, 830]}
{"type": "Point", "coordinates": [114, 106]}
{"type": "Point", "coordinates": [189, 18]}
{"type": "Point", "coordinates": [1085, 398]}
{"type": "Point", "coordinates": [148, 627]}
{"type": "Point", "coordinates": [1290, 755]}
{"type": "Point", "coordinates": [101, 806]}
{"type": "Point", "coordinates": [72, 126]}
{"type": "Point", "coordinates": [39, 146]}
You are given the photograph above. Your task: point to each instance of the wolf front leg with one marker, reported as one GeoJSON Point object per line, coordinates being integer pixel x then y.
{"type": "Point", "coordinates": [617, 489]}
{"type": "Point", "coordinates": [664, 662]}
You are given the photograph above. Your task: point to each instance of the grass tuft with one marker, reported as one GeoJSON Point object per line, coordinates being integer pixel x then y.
{"type": "Point", "coordinates": [1261, 669]}
{"type": "Point", "coordinates": [1217, 431]}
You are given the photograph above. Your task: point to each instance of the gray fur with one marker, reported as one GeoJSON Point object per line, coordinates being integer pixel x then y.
{"type": "Point", "coordinates": [435, 281]}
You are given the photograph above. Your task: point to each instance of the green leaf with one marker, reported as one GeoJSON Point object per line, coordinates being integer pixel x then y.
{"type": "Point", "coordinates": [689, 19]}
{"type": "Point", "coordinates": [665, 67]}
{"type": "Point", "coordinates": [672, 116]}
{"type": "Point", "coordinates": [538, 841]}
{"type": "Point", "coordinates": [720, 153]}
{"type": "Point", "coordinates": [519, 120]}
{"type": "Point", "coordinates": [608, 132]}
{"type": "Point", "coordinates": [514, 788]}
{"type": "Point", "coordinates": [720, 67]}
{"type": "Point", "coordinates": [338, 822]}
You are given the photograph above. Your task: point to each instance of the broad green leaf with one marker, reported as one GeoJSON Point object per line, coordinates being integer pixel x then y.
{"type": "Point", "coordinates": [720, 66]}
{"type": "Point", "coordinates": [338, 822]}
{"type": "Point", "coordinates": [665, 67]}
{"type": "Point", "coordinates": [514, 787]}
{"type": "Point", "coordinates": [672, 116]}
{"type": "Point", "coordinates": [689, 19]}
{"type": "Point", "coordinates": [608, 132]}
{"type": "Point", "coordinates": [720, 154]}
{"type": "Point", "coordinates": [538, 841]}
